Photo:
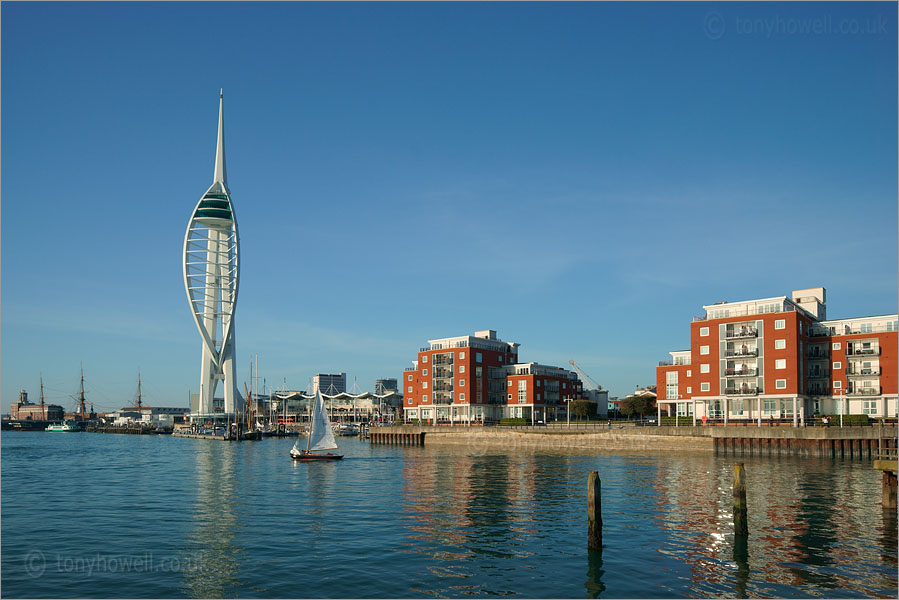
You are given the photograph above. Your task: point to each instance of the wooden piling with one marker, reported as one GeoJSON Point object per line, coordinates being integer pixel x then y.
{"type": "Point", "coordinates": [741, 527]}
{"type": "Point", "coordinates": [594, 512]}
{"type": "Point", "coordinates": [889, 489]}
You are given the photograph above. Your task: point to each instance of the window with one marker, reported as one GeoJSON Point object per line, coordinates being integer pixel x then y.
{"type": "Point", "coordinates": [461, 356]}
{"type": "Point", "coordinates": [780, 324]}
{"type": "Point", "coordinates": [509, 396]}
{"type": "Point", "coordinates": [689, 389]}
{"type": "Point", "coordinates": [462, 396]}
{"type": "Point", "coordinates": [424, 371]}
{"type": "Point", "coordinates": [671, 377]}
{"type": "Point", "coordinates": [410, 390]}
{"type": "Point", "coordinates": [703, 349]}
{"type": "Point", "coordinates": [538, 383]}
{"type": "Point", "coordinates": [704, 386]}
{"type": "Point", "coordinates": [704, 368]}
{"type": "Point", "coordinates": [410, 377]}
{"type": "Point", "coordinates": [780, 363]}
{"type": "Point", "coordinates": [424, 398]}
{"type": "Point", "coordinates": [837, 365]}
{"type": "Point", "coordinates": [509, 382]}
{"type": "Point", "coordinates": [478, 357]}
{"type": "Point", "coordinates": [780, 344]}
{"type": "Point", "coordinates": [538, 397]}
{"type": "Point", "coordinates": [478, 371]}
{"type": "Point", "coordinates": [769, 407]}
{"type": "Point", "coordinates": [869, 407]}
{"type": "Point", "coordinates": [780, 384]}
{"type": "Point", "coordinates": [836, 346]}
{"type": "Point", "coordinates": [461, 368]}
{"type": "Point", "coordinates": [424, 385]}
{"type": "Point", "coordinates": [689, 373]}
{"type": "Point", "coordinates": [837, 384]}
{"type": "Point", "coordinates": [424, 358]}
{"type": "Point", "coordinates": [703, 331]}
{"type": "Point", "coordinates": [866, 328]}
{"type": "Point", "coordinates": [461, 383]}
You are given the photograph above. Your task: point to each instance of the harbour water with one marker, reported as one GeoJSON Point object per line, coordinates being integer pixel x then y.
{"type": "Point", "coordinates": [87, 515]}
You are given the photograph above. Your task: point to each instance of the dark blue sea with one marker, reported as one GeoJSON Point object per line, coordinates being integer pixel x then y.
{"type": "Point", "coordinates": [121, 516]}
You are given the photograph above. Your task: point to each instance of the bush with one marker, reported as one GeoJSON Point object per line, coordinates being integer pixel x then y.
{"type": "Point", "coordinates": [514, 422]}
{"type": "Point", "coordinates": [681, 421]}
{"type": "Point", "coordinates": [848, 420]}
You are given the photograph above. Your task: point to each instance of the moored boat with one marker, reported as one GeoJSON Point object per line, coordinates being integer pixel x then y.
{"type": "Point", "coordinates": [68, 425]}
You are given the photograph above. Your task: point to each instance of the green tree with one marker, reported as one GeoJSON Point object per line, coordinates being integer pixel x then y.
{"type": "Point", "coordinates": [637, 405]}
{"type": "Point", "coordinates": [583, 408]}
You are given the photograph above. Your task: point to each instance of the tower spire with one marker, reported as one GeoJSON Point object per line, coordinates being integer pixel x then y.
{"type": "Point", "coordinates": [221, 174]}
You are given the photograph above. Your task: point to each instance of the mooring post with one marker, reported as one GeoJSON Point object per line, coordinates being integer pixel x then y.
{"type": "Point", "coordinates": [741, 527]}
{"type": "Point", "coordinates": [889, 489]}
{"type": "Point", "coordinates": [594, 511]}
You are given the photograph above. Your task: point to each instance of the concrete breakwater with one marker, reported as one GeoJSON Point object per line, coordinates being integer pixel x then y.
{"type": "Point", "coordinates": [850, 442]}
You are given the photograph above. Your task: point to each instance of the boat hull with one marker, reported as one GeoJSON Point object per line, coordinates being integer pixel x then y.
{"type": "Point", "coordinates": [315, 457]}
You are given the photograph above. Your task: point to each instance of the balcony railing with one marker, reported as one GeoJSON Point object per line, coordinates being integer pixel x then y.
{"type": "Point", "coordinates": [443, 374]}
{"type": "Point", "coordinates": [864, 391]}
{"type": "Point", "coordinates": [741, 372]}
{"type": "Point", "coordinates": [818, 374]}
{"type": "Point", "coordinates": [742, 391]}
{"type": "Point", "coordinates": [863, 371]}
{"type": "Point", "coordinates": [443, 388]}
{"type": "Point", "coordinates": [409, 369]}
{"type": "Point", "coordinates": [749, 332]}
{"type": "Point", "coordinates": [863, 351]}
{"type": "Point", "coordinates": [441, 360]}
{"type": "Point", "coordinates": [741, 352]}
{"type": "Point", "coordinates": [813, 354]}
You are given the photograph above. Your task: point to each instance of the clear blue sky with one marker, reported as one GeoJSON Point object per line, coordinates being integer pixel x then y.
{"type": "Point", "coordinates": [580, 177]}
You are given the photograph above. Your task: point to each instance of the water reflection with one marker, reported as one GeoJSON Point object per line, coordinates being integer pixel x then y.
{"type": "Point", "coordinates": [594, 585]}
{"type": "Point", "coordinates": [211, 551]}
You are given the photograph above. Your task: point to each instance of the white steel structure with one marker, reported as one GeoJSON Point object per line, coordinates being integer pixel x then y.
{"type": "Point", "coordinates": [211, 277]}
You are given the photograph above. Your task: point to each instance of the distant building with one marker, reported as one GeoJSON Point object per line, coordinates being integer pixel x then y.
{"type": "Point", "coordinates": [383, 386]}
{"type": "Point", "coordinates": [329, 383]}
{"type": "Point", "coordinates": [477, 377]}
{"type": "Point", "coordinates": [779, 358]}
{"type": "Point", "coordinates": [24, 410]}
{"type": "Point", "coordinates": [160, 416]}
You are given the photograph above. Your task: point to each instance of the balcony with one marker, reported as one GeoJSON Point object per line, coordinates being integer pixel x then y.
{"type": "Point", "coordinates": [409, 369]}
{"type": "Point", "coordinates": [742, 391]}
{"type": "Point", "coordinates": [741, 372]}
{"type": "Point", "coordinates": [443, 387]}
{"type": "Point", "coordinates": [819, 354]}
{"type": "Point", "coordinates": [741, 352]}
{"type": "Point", "coordinates": [824, 374]}
{"type": "Point", "coordinates": [864, 391]}
{"type": "Point", "coordinates": [863, 371]}
{"type": "Point", "coordinates": [742, 333]}
{"type": "Point", "coordinates": [443, 373]}
{"type": "Point", "coordinates": [442, 360]}
{"type": "Point", "coordinates": [863, 351]}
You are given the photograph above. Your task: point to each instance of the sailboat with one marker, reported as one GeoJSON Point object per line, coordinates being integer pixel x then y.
{"type": "Point", "coordinates": [320, 435]}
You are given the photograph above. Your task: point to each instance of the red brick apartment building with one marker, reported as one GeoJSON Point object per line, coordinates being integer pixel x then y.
{"type": "Point", "coordinates": [780, 358]}
{"type": "Point", "coordinates": [475, 378]}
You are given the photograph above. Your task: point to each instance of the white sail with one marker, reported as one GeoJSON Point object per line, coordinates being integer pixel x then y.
{"type": "Point", "coordinates": [320, 435]}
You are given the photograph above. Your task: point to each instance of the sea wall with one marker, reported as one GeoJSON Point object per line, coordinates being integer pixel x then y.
{"type": "Point", "coordinates": [855, 442]}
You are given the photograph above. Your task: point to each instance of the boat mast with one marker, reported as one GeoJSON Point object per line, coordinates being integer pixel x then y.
{"type": "Point", "coordinates": [43, 408]}
{"type": "Point", "coordinates": [139, 396]}
{"type": "Point", "coordinates": [312, 422]}
{"type": "Point", "coordinates": [81, 397]}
